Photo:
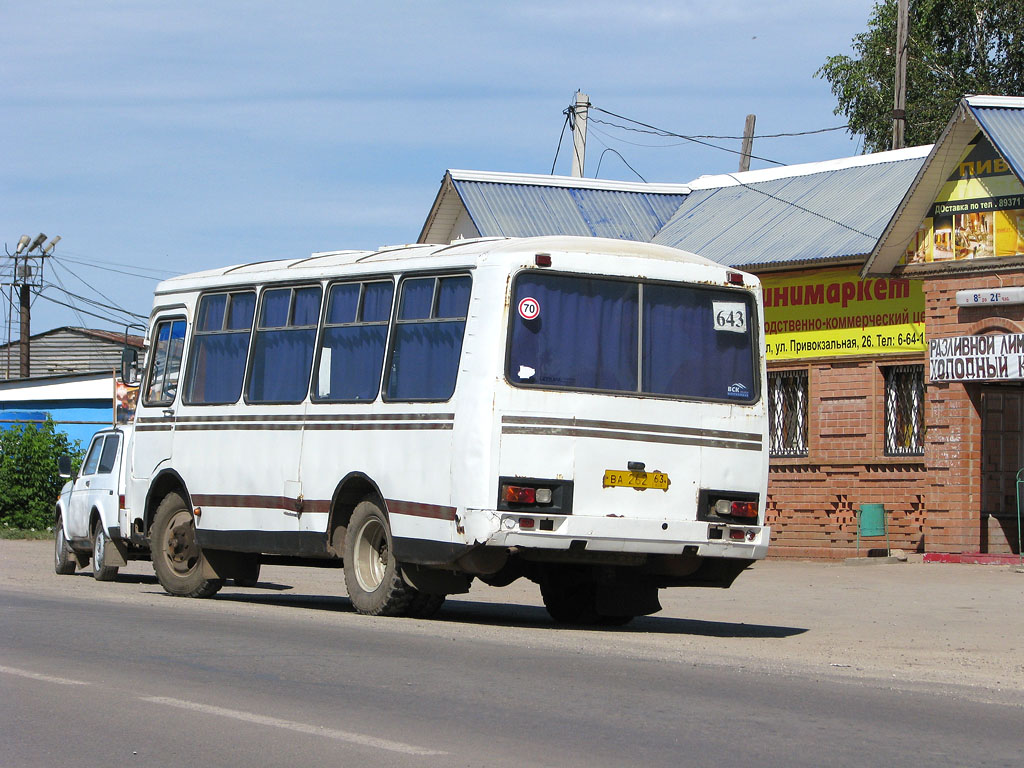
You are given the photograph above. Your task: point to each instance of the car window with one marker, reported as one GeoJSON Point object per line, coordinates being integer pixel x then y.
{"type": "Point", "coordinates": [108, 457]}
{"type": "Point", "coordinates": [93, 459]}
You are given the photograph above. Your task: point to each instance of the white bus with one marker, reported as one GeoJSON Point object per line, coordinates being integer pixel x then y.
{"type": "Point", "coordinates": [585, 413]}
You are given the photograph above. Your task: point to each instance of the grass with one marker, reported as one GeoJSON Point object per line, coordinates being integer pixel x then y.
{"type": "Point", "coordinates": [18, 533]}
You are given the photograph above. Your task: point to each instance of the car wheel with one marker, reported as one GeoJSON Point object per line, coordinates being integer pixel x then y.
{"type": "Point", "coordinates": [100, 570]}
{"type": "Point", "coordinates": [64, 560]}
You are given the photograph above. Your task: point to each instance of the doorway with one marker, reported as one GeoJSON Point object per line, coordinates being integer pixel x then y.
{"type": "Point", "coordinates": [1002, 425]}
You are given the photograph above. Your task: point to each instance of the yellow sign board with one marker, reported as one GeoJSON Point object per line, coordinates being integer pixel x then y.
{"type": "Point", "coordinates": [832, 312]}
{"type": "Point", "coordinates": [978, 214]}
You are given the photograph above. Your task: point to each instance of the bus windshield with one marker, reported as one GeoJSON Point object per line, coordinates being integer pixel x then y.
{"type": "Point", "coordinates": [632, 336]}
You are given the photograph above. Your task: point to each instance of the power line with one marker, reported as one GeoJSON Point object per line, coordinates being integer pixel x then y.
{"type": "Point", "coordinates": [113, 304]}
{"type": "Point", "coordinates": [800, 207]}
{"type": "Point", "coordinates": [609, 149]}
{"type": "Point", "coordinates": [559, 147]}
{"type": "Point", "coordinates": [662, 132]}
{"type": "Point", "coordinates": [94, 303]}
{"type": "Point", "coordinates": [95, 265]}
{"type": "Point", "coordinates": [113, 320]}
{"type": "Point", "coordinates": [93, 262]}
{"type": "Point", "coordinates": [56, 277]}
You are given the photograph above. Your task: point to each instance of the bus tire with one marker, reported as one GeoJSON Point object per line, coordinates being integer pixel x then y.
{"type": "Point", "coordinates": [249, 574]}
{"type": "Point", "coordinates": [569, 600]}
{"type": "Point", "coordinates": [177, 558]}
{"type": "Point", "coordinates": [425, 605]}
{"type": "Point", "coordinates": [101, 571]}
{"type": "Point", "coordinates": [64, 560]}
{"type": "Point", "coordinates": [372, 575]}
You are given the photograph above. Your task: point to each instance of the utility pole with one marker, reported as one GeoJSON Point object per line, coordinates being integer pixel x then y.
{"type": "Point", "coordinates": [579, 133]}
{"type": "Point", "coordinates": [28, 274]}
{"type": "Point", "coordinates": [899, 110]}
{"type": "Point", "coordinates": [748, 143]}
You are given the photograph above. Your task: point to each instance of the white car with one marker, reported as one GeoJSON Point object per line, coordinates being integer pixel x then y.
{"type": "Point", "coordinates": [89, 524]}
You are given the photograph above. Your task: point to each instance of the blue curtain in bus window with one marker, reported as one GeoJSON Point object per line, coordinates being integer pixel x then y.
{"type": "Point", "coordinates": [453, 296]}
{"type": "Point", "coordinates": [425, 360]}
{"type": "Point", "coordinates": [275, 308]}
{"type": "Point", "coordinates": [417, 296]}
{"type": "Point", "coordinates": [584, 334]}
{"type": "Point", "coordinates": [211, 312]}
{"type": "Point", "coordinates": [343, 302]}
{"type": "Point", "coordinates": [356, 358]}
{"type": "Point", "coordinates": [281, 362]}
{"type": "Point", "coordinates": [243, 306]}
{"type": "Point", "coordinates": [218, 367]}
{"type": "Point", "coordinates": [377, 302]}
{"type": "Point", "coordinates": [683, 353]}
{"type": "Point", "coordinates": [306, 310]}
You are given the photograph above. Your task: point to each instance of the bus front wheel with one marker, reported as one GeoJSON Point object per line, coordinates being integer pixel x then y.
{"type": "Point", "coordinates": [373, 577]}
{"type": "Point", "coordinates": [177, 558]}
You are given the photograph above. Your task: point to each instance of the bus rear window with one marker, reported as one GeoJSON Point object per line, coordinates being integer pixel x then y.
{"type": "Point", "coordinates": [658, 339]}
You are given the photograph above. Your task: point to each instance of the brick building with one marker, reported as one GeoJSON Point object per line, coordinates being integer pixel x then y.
{"type": "Point", "coordinates": [959, 233]}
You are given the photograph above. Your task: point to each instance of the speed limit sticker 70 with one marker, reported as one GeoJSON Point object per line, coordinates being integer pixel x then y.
{"type": "Point", "coordinates": [529, 308]}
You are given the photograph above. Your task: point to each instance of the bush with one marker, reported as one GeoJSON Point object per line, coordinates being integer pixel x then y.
{"type": "Point", "coordinates": [29, 479]}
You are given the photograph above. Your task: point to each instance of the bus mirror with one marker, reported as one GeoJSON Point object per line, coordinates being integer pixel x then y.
{"type": "Point", "coordinates": [64, 466]}
{"type": "Point", "coordinates": [130, 366]}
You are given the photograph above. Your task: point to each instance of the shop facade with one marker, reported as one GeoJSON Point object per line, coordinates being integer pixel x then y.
{"type": "Point", "coordinates": [959, 234]}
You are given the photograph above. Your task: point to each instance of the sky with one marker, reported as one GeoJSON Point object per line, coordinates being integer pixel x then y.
{"type": "Point", "coordinates": [158, 138]}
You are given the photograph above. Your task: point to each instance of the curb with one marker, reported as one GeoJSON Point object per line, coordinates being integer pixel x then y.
{"type": "Point", "coordinates": [972, 558]}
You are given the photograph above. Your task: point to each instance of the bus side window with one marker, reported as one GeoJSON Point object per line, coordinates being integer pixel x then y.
{"type": "Point", "coordinates": [221, 342]}
{"type": "Point", "coordinates": [427, 339]}
{"type": "Point", "coordinates": [352, 346]}
{"type": "Point", "coordinates": [282, 353]}
{"type": "Point", "coordinates": [166, 366]}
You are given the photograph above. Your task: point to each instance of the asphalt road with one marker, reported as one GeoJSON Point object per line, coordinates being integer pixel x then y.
{"type": "Point", "coordinates": [121, 674]}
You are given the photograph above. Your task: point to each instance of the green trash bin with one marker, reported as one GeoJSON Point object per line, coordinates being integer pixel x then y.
{"type": "Point", "coordinates": [871, 522]}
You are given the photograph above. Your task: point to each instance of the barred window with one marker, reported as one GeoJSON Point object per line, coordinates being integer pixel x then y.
{"type": "Point", "coordinates": [904, 410]}
{"type": "Point", "coordinates": [787, 413]}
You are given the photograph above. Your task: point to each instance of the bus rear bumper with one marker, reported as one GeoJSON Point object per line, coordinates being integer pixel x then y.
{"type": "Point", "coordinates": [617, 534]}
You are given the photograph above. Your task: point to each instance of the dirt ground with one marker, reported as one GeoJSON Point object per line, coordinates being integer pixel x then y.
{"type": "Point", "coordinates": [911, 625]}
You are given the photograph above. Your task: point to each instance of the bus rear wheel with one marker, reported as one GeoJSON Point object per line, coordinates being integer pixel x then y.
{"type": "Point", "coordinates": [373, 577]}
{"type": "Point", "coordinates": [177, 558]}
{"type": "Point", "coordinates": [571, 598]}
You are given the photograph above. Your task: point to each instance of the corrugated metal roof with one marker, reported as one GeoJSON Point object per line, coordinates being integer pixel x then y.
{"type": "Point", "coordinates": [1005, 129]}
{"type": "Point", "coordinates": [814, 217]}
{"type": "Point", "coordinates": [67, 350]}
{"type": "Point", "coordinates": [524, 210]}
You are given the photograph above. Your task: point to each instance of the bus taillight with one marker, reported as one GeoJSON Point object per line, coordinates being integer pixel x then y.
{"type": "Point", "coordinates": [524, 494]}
{"type": "Point", "coordinates": [743, 509]}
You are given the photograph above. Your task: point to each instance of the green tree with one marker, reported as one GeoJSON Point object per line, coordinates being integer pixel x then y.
{"type": "Point", "coordinates": [954, 47]}
{"type": "Point", "coordinates": [29, 479]}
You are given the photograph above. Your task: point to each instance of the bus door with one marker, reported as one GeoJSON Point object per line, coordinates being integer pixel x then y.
{"type": "Point", "coordinates": [159, 398]}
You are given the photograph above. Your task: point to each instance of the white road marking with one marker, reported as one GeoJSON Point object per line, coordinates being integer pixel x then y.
{"type": "Point", "coordinates": [43, 678]}
{"type": "Point", "coordinates": [291, 725]}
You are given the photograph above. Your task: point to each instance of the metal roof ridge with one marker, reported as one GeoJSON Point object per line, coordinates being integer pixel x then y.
{"type": "Point", "coordinates": [807, 169]}
{"type": "Point", "coordinates": [543, 180]}
{"type": "Point", "coordinates": [1005, 102]}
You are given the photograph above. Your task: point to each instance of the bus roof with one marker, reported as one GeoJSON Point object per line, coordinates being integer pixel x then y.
{"type": "Point", "coordinates": [459, 252]}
